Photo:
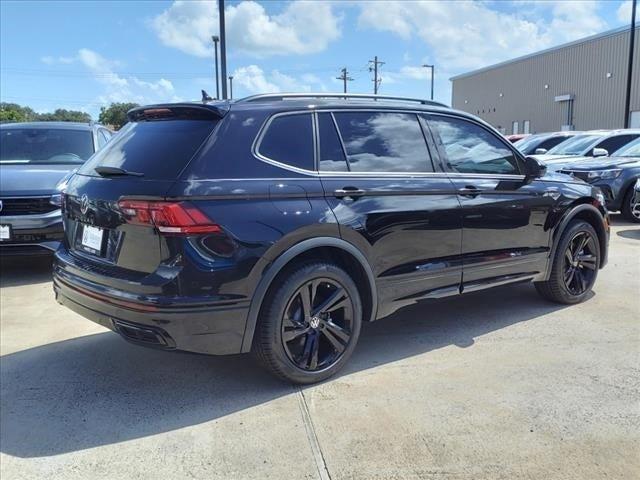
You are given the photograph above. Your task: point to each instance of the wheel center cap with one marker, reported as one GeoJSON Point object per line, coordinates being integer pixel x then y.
{"type": "Point", "coordinates": [314, 322]}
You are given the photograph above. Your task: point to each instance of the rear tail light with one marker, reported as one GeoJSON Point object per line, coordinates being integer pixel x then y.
{"type": "Point", "coordinates": [177, 218]}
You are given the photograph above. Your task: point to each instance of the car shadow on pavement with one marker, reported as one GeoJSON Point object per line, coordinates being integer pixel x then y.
{"type": "Point", "coordinates": [25, 270]}
{"type": "Point", "coordinates": [98, 389]}
{"type": "Point", "coordinates": [632, 234]}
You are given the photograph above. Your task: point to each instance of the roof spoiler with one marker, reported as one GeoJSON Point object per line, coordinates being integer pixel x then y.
{"type": "Point", "coordinates": [178, 111]}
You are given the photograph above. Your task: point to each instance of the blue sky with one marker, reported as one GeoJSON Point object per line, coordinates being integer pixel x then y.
{"type": "Point", "coordinates": [81, 54]}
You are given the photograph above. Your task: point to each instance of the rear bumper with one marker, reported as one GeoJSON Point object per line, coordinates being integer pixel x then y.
{"type": "Point", "coordinates": [170, 323]}
{"type": "Point", "coordinates": [32, 234]}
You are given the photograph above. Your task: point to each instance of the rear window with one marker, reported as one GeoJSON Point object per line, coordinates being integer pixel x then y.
{"type": "Point", "coordinates": [45, 145]}
{"type": "Point", "coordinates": [289, 140]}
{"type": "Point", "coordinates": [158, 149]}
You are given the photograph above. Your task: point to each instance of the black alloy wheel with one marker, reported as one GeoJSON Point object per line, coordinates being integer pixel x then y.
{"type": "Point", "coordinates": [317, 324]}
{"type": "Point", "coordinates": [309, 323]}
{"type": "Point", "coordinates": [574, 265]}
{"type": "Point", "coordinates": [631, 205]}
{"type": "Point", "coordinates": [580, 263]}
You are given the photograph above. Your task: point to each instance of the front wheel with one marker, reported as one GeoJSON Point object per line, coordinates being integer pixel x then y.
{"type": "Point", "coordinates": [575, 265]}
{"type": "Point", "coordinates": [309, 324]}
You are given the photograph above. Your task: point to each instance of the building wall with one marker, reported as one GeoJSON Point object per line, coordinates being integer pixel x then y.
{"type": "Point", "coordinates": [525, 89]}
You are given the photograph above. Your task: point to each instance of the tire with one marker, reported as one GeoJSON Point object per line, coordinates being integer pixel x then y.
{"type": "Point", "coordinates": [303, 344]}
{"type": "Point", "coordinates": [571, 281]}
{"type": "Point", "coordinates": [627, 207]}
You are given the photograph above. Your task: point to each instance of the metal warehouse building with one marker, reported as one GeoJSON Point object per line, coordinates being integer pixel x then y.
{"type": "Point", "coordinates": [577, 86]}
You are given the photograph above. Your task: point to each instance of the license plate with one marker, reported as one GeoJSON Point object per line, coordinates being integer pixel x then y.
{"type": "Point", "coordinates": [5, 232]}
{"type": "Point", "coordinates": [92, 238]}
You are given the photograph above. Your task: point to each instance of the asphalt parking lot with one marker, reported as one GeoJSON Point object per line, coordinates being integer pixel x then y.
{"type": "Point", "coordinates": [497, 384]}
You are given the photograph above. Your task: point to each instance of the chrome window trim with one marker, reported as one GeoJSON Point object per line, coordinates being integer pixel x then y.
{"type": "Point", "coordinates": [255, 147]}
{"type": "Point", "coordinates": [316, 141]}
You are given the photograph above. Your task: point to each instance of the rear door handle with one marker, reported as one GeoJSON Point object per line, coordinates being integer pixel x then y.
{"type": "Point", "coordinates": [348, 192]}
{"type": "Point", "coordinates": [469, 191]}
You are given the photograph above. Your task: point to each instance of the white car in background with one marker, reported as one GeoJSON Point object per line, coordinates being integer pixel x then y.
{"type": "Point", "coordinates": [595, 143]}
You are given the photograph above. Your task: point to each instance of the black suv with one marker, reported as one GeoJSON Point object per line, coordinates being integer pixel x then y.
{"type": "Point", "coordinates": [277, 224]}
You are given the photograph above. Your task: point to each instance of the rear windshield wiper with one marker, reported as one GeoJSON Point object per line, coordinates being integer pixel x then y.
{"type": "Point", "coordinates": [116, 171]}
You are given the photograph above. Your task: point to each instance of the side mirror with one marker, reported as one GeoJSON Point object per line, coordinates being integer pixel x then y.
{"type": "Point", "coordinates": [600, 152]}
{"type": "Point", "coordinates": [533, 168]}
{"type": "Point", "coordinates": [540, 151]}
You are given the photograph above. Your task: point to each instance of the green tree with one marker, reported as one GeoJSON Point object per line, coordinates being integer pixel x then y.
{"type": "Point", "coordinates": [12, 112]}
{"type": "Point", "coordinates": [63, 115]}
{"type": "Point", "coordinates": [115, 114]}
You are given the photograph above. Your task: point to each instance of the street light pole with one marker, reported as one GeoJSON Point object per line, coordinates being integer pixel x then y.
{"type": "Point", "coordinates": [223, 50]}
{"type": "Point", "coordinates": [632, 36]}
{"type": "Point", "coordinates": [230, 87]}
{"type": "Point", "coordinates": [216, 39]}
{"type": "Point", "coordinates": [432, 73]}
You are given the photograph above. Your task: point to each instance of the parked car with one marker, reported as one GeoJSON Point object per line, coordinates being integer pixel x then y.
{"type": "Point", "coordinates": [616, 176]}
{"type": "Point", "coordinates": [541, 143]}
{"type": "Point", "coordinates": [513, 138]}
{"type": "Point", "coordinates": [597, 143]}
{"type": "Point", "coordinates": [34, 157]}
{"type": "Point", "coordinates": [278, 224]}
{"type": "Point", "coordinates": [635, 205]}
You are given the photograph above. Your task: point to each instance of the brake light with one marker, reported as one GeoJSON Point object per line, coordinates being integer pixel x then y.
{"type": "Point", "coordinates": [178, 218]}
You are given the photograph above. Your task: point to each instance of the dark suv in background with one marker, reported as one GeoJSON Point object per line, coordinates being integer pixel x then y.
{"type": "Point", "coordinates": [278, 224]}
{"type": "Point", "coordinates": [616, 176]}
{"type": "Point", "coordinates": [34, 158]}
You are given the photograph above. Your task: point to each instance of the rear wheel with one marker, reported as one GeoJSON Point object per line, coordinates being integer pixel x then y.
{"type": "Point", "coordinates": [309, 324]}
{"type": "Point", "coordinates": [631, 205]}
{"type": "Point", "coordinates": [575, 265]}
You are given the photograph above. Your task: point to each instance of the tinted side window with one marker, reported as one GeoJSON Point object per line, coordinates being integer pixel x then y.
{"type": "Point", "coordinates": [614, 143]}
{"type": "Point", "coordinates": [289, 140]}
{"type": "Point", "coordinates": [472, 149]}
{"type": "Point", "coordinates": [332, 157]}
{"type": "Point", "coordinates": [383, 142]}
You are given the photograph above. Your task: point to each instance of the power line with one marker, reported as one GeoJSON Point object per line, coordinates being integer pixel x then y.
{"type": "Point", "coordinates": [376, 82]}
{"type": "Point", "coordinates": [345, 78]}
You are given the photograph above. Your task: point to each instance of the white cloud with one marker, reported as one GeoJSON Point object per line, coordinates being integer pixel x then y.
{"type": "Point", "coordinates": [118, 87]}
{"type": "Point", "coordinates": [624, 12]}
{"type": "Point", "coordinates": [254, 79]}
{"type": "Point", "coordinates": [303, 27]}
{"type": "Point", "coordinates": [465, 35]}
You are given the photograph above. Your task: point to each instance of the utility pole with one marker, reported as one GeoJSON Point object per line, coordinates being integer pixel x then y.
{"type": "Point", "coordinates": [632, 36]}
{"type": "Point", "coordinates": [223, 50]}
{"type": "Point", "coordinates": [345, 78]}
{"type": "Point", "coordinates": [431, 67]}
{"type": "Point", "coordinates": [216, 39]}
{"type": "Point", "coordinates": [230, 87]}
{"type": "Point", "coordinates": [376, 82]}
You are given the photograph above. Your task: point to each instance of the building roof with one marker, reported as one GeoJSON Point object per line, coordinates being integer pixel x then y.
{"type": "Point", "coordinates": [597, 36]}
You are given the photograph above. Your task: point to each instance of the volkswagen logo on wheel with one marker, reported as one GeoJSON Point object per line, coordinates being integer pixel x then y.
{"type": "Point", "coordinates": [84, 204]}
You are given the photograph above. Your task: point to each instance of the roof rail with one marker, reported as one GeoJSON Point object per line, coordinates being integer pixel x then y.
{"type": "Point", "coordinates": [287, 96]}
